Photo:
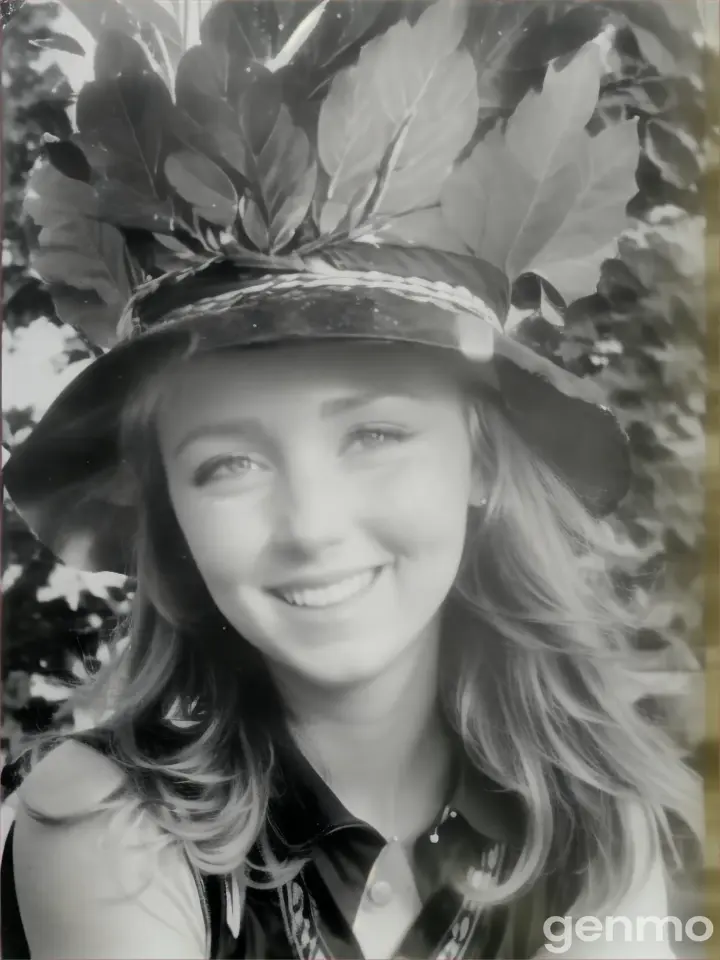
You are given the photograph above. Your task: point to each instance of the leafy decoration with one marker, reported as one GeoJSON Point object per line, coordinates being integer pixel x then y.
{"type": "Point", "coordinates": [547, 197]}
{"type": "Point", "coordinates": [281, 169]}
{"type": "Point", "coordinates": [200, 90]}
{"type": "Point", "coordinates": [91, 256]}
{"type": "Point", "coordinates": [52, 198]}
{"type": "Point", "coordinates": [428, 92]}
{"type": "Point", "coordinates": [123, 120]}
{"type": "Point", "coordinates": [68, 159]}
{"type": "Point", "coordinates": [204, 185]}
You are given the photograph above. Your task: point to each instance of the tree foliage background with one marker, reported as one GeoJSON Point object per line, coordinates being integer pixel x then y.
{"type": "Point", "coordinates": [642, 334]}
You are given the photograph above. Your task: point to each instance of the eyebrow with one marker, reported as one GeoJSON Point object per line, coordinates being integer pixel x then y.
{"type": "Point", "coordinates": [251, 425]}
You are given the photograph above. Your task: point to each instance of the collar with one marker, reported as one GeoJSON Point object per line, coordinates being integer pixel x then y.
{"type": "Point", "coordinates": [303, 808]}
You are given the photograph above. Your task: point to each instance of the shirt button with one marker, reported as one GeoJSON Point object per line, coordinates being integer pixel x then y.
{"type": "Point", "coordinates": [381, 893]}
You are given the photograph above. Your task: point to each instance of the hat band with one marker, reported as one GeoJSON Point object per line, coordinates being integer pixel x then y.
{"type": "Point", "coordinates": [288, 285]}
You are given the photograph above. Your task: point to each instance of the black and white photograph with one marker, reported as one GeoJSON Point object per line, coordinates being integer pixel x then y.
{"type": "Point", "coordinates": [355, 580]}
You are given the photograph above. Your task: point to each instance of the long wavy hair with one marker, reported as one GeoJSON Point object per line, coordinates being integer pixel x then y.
{"type": "Point", "coordinates": [537, 688]}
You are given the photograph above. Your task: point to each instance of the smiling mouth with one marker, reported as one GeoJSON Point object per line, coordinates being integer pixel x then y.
{"type": "Point", "coordinates": [331, 596]}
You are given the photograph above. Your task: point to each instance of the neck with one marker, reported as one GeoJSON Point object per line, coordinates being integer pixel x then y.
{"type": "Point", "coordinates": [380, 744]}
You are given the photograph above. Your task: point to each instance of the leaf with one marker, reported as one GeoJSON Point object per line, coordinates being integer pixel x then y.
{"type": "Point", "coordinates": [412, 76]}
{"type": "Point", "coordinates": [548, 198]}
{"type": "Point", "coordinates": [199, 73]}
{"type": "Point", "coordinates": [68, 159]}
{"type": "Point", "coordinates": [204, 185]}
{"type": "Point", "coordinates": [572, 258]}
{"type": "Point", "coordinates": [58, 41]}
{"type": "Point", "coordinates": [51, 197]}
{"type": "Point", "coordinates": [281, 169]}
{"type": "Point", "coordinates": [178, 248]}
{"type": "Point", "coordinates": [86, 312]}
{"type": "Point", "coordinates": [116, 53]}
{"type": "Point", "coordinates": [545, 128]}
{"type": "Point", "coordinates": [127, 118]}
{"type": "Point", "coordinates": [201, 95]}
{"type": "Point", "coordinates": [485, 199]}
{"type": "Point", "coordinates": [88, 255]}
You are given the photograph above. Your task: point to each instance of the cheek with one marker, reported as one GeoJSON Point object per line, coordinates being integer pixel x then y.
{"type": "Point", "coordinates": [225, 537]}
{"type": "Point", "coordinates": [426, 505]}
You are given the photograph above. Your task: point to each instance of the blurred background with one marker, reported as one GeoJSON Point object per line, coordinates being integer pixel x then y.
{"type": "Point", "coordinates": [641, 335]}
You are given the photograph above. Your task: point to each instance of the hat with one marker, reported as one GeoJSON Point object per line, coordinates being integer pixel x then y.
{"type": "Point", "coordinates": [309, 179]}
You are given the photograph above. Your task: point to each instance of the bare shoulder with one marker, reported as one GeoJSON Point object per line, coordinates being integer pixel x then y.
{"type": "Point", "coordinates": [105, 885]}
{"type": "Point", "coordinates": [71, 778]}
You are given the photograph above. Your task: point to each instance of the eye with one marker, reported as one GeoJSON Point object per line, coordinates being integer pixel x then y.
{"type": "Point", "coordinates": [223, 468]}
{"type": "Point", "coordinates": [371, 438]}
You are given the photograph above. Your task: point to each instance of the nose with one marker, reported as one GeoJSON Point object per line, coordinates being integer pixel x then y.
{"type": "Point", "coordinates": [314, 509]}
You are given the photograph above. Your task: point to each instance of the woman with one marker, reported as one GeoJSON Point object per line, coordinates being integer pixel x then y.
{"type": "Point", "coordinates": [375, 696]}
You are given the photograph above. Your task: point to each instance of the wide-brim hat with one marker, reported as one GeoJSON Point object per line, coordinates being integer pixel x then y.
{"type": "Point", "coordinates": [217, 257]}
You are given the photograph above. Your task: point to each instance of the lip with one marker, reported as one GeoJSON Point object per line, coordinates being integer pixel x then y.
{"type": "Point", "coordinates": [335, 612]}
{"type": "Point", "coordinates": [320, 581]}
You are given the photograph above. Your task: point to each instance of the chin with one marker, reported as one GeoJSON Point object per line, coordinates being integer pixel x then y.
{"type": "Point", "coordinates": [333, 664]}
{"type": "Point", "coordinates": [341, 671]}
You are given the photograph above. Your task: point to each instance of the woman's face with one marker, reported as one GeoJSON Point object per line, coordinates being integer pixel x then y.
{"type": "Point", "coordinates": [323, 494]}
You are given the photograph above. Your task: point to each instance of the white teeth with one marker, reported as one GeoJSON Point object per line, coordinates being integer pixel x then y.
{"type": "Point", "coordinates": [326, 596]}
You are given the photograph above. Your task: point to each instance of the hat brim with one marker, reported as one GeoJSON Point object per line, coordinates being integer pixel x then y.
{"type": "Point", "coordinates": [561, 417]}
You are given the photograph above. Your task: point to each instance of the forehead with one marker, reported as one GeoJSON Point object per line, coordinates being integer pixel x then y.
{"type": "Point", "coordinates": [263, 378]}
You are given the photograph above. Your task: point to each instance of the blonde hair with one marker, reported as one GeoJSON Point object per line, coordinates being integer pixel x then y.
{"type": "Point", "coordinates": [537, 690]}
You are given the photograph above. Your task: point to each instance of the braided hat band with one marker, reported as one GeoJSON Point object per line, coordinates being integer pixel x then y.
{"type": "Point", "coordinates": [296, 286]}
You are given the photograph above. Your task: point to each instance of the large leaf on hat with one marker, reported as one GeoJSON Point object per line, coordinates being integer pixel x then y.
{"type": "Point", "coordinates": [125, 123]}
{"type": "Point", "coordinates": [392, 125]}
{"type": "Point", "coordinates": [51, 197]}
{"type": "Point", "coordinates": [280, 167]}
{"type": "Point", "coordinates": [547, 198]}
{"type": "Point", "coordinates": [204, 185]}
{"type": "Point", "coordinates": [91, 256]}
{"type": "Point", "coordinates": [127, 117]}
{"type": "Point", "coordinates": [201, 95]}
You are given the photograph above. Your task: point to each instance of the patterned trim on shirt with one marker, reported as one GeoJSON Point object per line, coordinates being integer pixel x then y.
{"type": "Point", "coordinates": [300, 924]}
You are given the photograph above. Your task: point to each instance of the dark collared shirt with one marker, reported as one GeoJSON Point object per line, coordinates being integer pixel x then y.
{"type": "Point", "coordinates": [357, 892]}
